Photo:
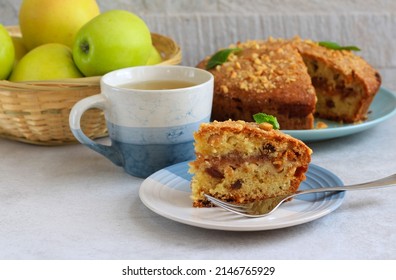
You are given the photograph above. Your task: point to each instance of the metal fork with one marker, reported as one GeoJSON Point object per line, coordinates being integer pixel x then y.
{"type": "Point", "coordinates": [267, 206]}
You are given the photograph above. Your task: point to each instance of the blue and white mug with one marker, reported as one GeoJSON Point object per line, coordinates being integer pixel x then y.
{"type": "Point", "coordinates": [149, 128]}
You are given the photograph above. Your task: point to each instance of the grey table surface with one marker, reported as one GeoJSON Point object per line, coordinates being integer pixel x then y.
{"type": "Point", "coordinates": [68, 202]}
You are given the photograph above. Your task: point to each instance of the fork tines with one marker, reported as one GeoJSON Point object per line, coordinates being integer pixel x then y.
{"type": "Point", "coordinates": [226, 205]}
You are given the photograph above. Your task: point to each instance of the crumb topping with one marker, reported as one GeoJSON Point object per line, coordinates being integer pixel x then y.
{"type": "Point", "coordinates": [261, 65]}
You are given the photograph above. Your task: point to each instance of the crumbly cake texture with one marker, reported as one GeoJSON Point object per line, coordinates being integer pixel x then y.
{"type": "Point", "coordinates": [293, 80]}
{"type": "Point", "coordinates": [241, 162]}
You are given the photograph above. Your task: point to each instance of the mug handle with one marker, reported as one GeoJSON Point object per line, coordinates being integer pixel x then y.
{"type": "Point", "coordinates": [98, 101]}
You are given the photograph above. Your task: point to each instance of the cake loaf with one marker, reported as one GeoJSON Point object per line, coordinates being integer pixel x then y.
{"type": "Point", "coordinates": [242, 162]}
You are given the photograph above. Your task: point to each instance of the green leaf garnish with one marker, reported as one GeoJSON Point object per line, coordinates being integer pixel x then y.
{"type": "Point", "coordinates": [264, 118]}
{"type": "Point", "coordinates": [335, 46]}
{"type": "Point", "coordinates": [220, 57]}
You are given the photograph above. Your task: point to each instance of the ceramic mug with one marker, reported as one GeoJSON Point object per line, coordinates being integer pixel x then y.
{"type": "Point", "coordinates": [149, 129]}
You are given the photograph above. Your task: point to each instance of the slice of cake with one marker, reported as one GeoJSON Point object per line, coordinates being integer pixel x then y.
{"type": "Point", "coordinates": [345, 83]}
{"type": "Point", "coordinates": [241, 162]}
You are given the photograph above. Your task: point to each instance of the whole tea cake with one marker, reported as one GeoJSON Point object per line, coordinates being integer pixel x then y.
{"type": "Point", "coordinates": [293, 80]}
{"type": "Point", "coordinates": [241, 162]}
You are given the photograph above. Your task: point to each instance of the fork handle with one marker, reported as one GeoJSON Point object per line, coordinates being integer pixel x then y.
{"type": "Point", "coordinates": [384, 182]}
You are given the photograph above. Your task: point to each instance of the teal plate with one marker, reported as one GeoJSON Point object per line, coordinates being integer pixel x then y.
{"type": "Point", "coordinates": [382, 108]}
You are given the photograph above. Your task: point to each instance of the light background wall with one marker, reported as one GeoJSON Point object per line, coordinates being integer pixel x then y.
{"type": "Point", "coordinates": [200, 27]}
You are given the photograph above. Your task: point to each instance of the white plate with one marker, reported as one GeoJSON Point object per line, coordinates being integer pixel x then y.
{"type": "Point", "coordinates": [382, 108]}
{"type": "Point", "coordinates": [167, 193]}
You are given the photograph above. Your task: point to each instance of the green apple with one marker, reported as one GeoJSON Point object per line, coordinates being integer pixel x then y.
{"type": "Point", "coordinates": [47, 62]}
{"type": "Point", "coordinates": [113, 40]}
{"type": "Point", "coordinates": [50, 21]}
{"type": "Point", "coordinates": [155, 57]}
{"type": "Point", "coordinates": [7, 53]}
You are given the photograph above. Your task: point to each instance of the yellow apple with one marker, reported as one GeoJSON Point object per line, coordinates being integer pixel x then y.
{"type": "Point", "coordinates": [20, 48]}
{"type": "Point", "coordinates": [7, 53]}
{"type": "Point", "coordinates": [47, 62]}
{"type": "Point", "coordinates": [50, 21]}
{"type": "Point", "coordinates": [155, 57]}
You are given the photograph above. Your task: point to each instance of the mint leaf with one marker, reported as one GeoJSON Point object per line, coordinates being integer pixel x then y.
{"type": "Point", "coordinates": [335, 46]}
{"type": "Point", "coordinates": [264, 118]}
{"type": "Point", "coordinates": [220, 57]}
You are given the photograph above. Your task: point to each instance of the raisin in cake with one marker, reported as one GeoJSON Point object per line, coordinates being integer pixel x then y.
{"type": "Point", "coordinates": [294, 80]}
{"type": "Point", "coordinates": [240, 162]}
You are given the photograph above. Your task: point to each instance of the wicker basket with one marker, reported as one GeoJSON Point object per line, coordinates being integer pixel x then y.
{"type": "Point", "coordinates": [38, 112]}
